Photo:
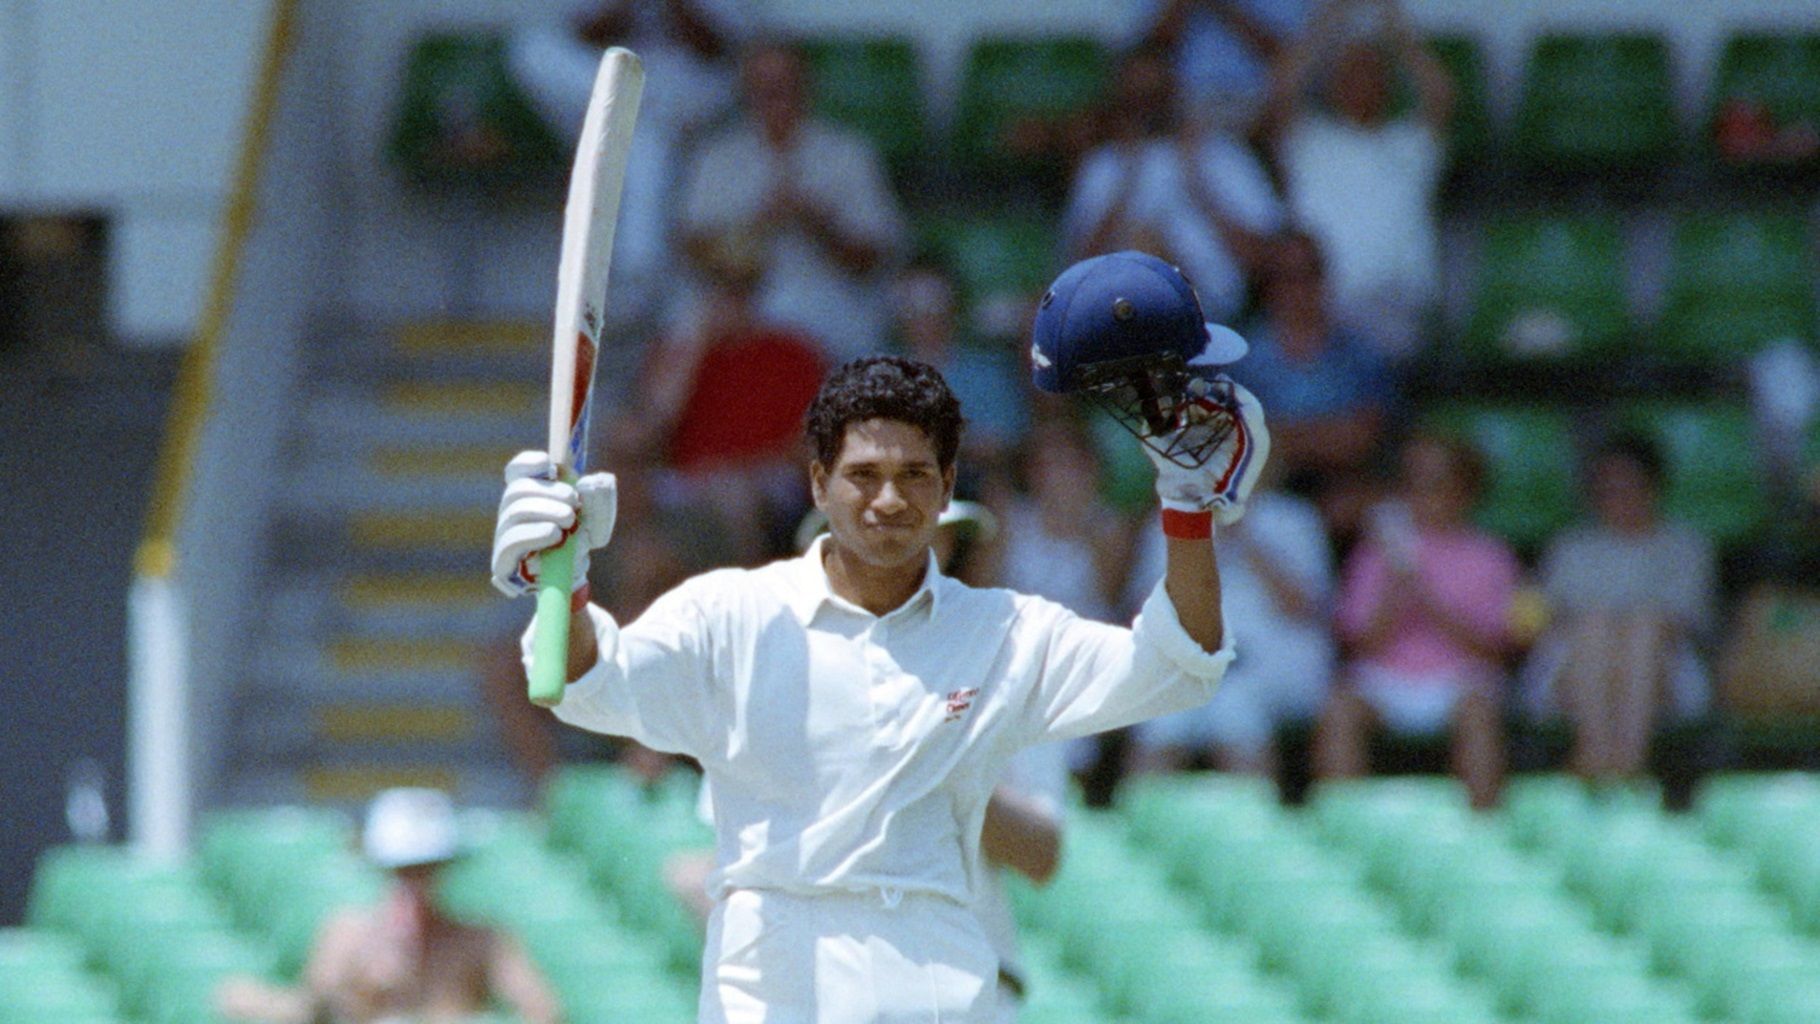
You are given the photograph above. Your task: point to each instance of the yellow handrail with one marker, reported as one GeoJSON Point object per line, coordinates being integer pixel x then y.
{"type": "Point", "coordinates": [194, 392]}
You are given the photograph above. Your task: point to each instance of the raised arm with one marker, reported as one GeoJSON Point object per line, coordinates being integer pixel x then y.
{"type": "Point", "coordinates": [1434, 86]}
{"type": "Point", "coordinates": [1295, 65]}
{"type": "Point", "coordinates": [651, 682]}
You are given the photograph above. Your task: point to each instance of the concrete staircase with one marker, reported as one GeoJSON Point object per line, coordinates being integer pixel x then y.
{"type": "Point", "coordinates": [379, 622]}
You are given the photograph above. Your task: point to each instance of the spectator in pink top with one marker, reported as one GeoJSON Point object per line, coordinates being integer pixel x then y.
{"type": "Point", "coordinates": [1423, 611]}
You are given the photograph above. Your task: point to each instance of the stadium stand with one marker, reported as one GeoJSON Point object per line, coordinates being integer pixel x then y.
{"type": "Point", "coordinates": [1379, 902]}
{"type": "Point", "coordinates": [873, 85]}
{"type": "Point", "coordinates": [1551, 287]}
{"type": "Point", "coordinates": [1596, 102]}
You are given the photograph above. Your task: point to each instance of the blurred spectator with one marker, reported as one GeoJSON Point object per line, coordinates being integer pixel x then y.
{"type": "Point", "coordinates": [1360, 176]}
{"type": "Point", "coordinates": [1061, 540]}
{"type": "Point", "coordinates": [1328, 393]}
{"type": "Point", "coordinates": [1747, 131]}
{"type": "Point", "coordinates": [988, 380]}
{"type": "Point", "coordinates": [1424, 610]}
{"type": "Point", "coordinates": [1222, 51]}
{"type": "Point", "coordinates": [403, 959]}
{"type": "Point", "coordinates": [722, 399]}
{"type": "Point", "coordinates": [1631, 598]}
{"type": "Point", "coordinates": [1276, 586]}
{"type": "Point", "coordinates": [1196, 197]}
{"type": "Point", "coordinates": [811, 196]}
{"type": "Point", "coordinates": [687, 47]}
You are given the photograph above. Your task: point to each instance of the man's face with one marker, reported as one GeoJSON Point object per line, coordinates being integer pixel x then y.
{"type": "Point", "coordinates": [884, 493]}
{"type": "Point", "coordinates": [775, 90]}
{"type": "Point", "coordinates": [1360, 88]}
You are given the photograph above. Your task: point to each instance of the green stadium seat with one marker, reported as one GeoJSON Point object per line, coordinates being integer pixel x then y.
{"type": "Point", "coordinates": [1011, 80]}
{"type": "Point", "coordinates": [1553, 960]}
{"type": "Point", "coordinates": [1779, 71]}
{"type": "Point", "coordinates": [1724, 983]}
{"type": "Point", "coordinates": [1613, 999]}
{"type": "Point", "coordinates": [1737, 281]}
{"type": "Point", "coordinates": [1714, 475]}
{"type": "Point", "coordinates": [231, 842]}
{"type": "Point", "coordinates": [1551, 288]}
{"type": "Point", "coordinates": [1736, 809]}
{"type": "Point", "coordinates": [993, 253]}
{"type": "Point", "coordinates": [1596, 101]}
{"type": "Point", "coordinates": [1533, 484]}
{"type": "Point", "coordinates": [57, 993]}
{"type": "Point", "coordinates": [28, 951]}
{"type": "Point", "coordinates": [461, 120]}
{"type": "Point", "coordinates": [1470, 138]}
{"type": "Point", "coordinates": [1695, 927]}
{"type": "Point", "coordinates": [1488, 934]}
{"type": "Point", "coordinates": [1740, 254]}
{"type": "Point", "coordinates": [874, 86]}
{"type": "Point", "coordinates": [1722, 332]}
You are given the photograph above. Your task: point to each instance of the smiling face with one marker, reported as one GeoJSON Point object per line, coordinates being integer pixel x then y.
{"type": "Point", "coordinates": [884, 494]}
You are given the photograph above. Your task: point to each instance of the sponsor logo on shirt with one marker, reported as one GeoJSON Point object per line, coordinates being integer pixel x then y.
{"type": "Point", "coordinates": [959, 701]}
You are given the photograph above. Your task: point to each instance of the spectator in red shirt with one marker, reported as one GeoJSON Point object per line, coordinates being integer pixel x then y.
{"type": "Point", "coordinates": [723, 398]}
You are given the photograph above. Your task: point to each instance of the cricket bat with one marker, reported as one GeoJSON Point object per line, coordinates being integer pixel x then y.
{"type": "Point", "coordinates": [581, 295]}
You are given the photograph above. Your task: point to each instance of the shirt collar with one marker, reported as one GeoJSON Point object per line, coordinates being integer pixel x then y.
{"type": "Point", "coordinates": [811, 589]}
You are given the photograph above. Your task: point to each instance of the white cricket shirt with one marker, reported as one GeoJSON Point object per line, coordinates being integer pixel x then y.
{"type": "Point", "coordinates": [854, 752]}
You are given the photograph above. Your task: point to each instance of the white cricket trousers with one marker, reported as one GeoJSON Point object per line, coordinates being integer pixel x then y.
{"type": "Point", "coordinates": [876, 958]}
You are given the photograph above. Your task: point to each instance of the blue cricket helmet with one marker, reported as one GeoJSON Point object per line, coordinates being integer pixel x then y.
{"type": "Point", "coordinates": [1121, 309]}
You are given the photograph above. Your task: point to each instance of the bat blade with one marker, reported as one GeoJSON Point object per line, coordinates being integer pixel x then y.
{"type": "Point", "coordinates": [589, 219]}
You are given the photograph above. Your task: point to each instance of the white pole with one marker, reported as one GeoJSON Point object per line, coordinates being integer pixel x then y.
{"type": "Point", "coordinates": [158, 739]}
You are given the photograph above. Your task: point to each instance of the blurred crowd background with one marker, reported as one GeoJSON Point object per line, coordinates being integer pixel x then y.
{"type": "Point", "coordinates": [1541, 511]}
{"type": "Point", "coordinates": [1530, 293]}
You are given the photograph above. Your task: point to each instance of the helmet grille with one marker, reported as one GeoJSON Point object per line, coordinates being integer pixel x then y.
{"type": "Point", "coordinates": [1174, 412]}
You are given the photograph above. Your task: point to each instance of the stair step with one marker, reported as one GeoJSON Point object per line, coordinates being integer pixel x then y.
{"type": "Point", "coordinates": [442, 398]}
{"type": "Point", "coordinates": [375, 591]}
{"type": "Point", "coordinates": [348, 722]}
{"type": "Point", "coordinates": [325, 684]}
{"type": "Point", "coordinates": [357, 655]}
{"type": "Point", "coordinates": [470, 530]}
{"type": "Point", "coordinates": [352, 784]}
{"type": "Point", "coordinates": [432, 337]}
{"type": "Point", "coordinates": [335, 488]}
{"type": "Point", "coordinates": [339, 421]}
{"type": "Point", "coordinates": [467, 461]}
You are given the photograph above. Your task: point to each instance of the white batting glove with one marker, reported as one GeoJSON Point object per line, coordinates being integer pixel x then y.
{"type": "Point", "coordinates": [538, 512]}
{"type": "Point", "coordinates": [1222, 483]}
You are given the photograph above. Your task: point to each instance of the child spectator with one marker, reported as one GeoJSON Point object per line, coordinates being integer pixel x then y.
{"type": "Point", "coordinates": [1424, 611]}
{"type": "Point", "coordinates": [1631, 598]}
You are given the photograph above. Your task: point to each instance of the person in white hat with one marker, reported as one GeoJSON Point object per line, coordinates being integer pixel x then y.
{"type": "Point", "coordinates": [402, 958]}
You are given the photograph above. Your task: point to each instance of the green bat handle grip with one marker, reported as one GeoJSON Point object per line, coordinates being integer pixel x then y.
{"type": "Point", "coordinates": [550, 636]}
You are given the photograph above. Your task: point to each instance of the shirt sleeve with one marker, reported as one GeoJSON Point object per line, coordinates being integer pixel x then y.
{"type": "Point", "coordinates": [654, 680]}
{"type": "Point", "coordinates": [1097, 676]}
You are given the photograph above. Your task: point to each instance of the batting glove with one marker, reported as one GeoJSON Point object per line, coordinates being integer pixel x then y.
{"type": "Point", "coordinates": [1223, 482]}
{"type": "Point", "coordinates": [538, 512]}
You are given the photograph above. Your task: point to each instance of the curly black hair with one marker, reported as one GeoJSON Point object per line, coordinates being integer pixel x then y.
{"type": "Point", "coordinates": [884, 387]}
